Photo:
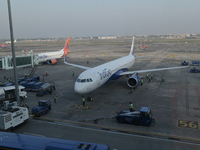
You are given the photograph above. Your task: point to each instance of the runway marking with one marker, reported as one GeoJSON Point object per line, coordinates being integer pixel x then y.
{"type": "Point", "coordinates": [33, 134]}
{"type": "Point", "coordinates": [194, 56]}
{"type": "Point", "coordinates": [188, 124]}
{"type": "Point", "coordinates": [172, 55]}
{"type": "Point", "coordinates": [79, 106]}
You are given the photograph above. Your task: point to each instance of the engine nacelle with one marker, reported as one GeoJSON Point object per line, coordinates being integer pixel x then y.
{"type": "Point", "coordinates": [52, 61]}
{"type": "Point", "coordinates": [133, 81]}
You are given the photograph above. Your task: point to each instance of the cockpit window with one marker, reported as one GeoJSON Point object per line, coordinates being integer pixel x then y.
{"type": "Point", "coordinates": [83, 80]}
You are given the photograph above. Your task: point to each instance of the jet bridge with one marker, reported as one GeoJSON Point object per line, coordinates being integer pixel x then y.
{"type": "Point", "coordinates": [24, 60]}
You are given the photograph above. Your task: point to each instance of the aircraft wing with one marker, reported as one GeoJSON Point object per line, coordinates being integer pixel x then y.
{"type": "Point", "coordinates": [78, 66]}
{"type": "Point", "coordinates": [144, 56]}
{"type": "Point", "coordinates": [150, 70]}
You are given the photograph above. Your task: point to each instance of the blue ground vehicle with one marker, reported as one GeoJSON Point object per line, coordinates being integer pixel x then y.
{"type": "Point", "coordinates": [194, 70]}
{"type": "Point", "coordinates": [44, 106]}
{"type": "Point", "coordinates": [33, 79]}
{"type": "Point", "coordinates": [44, 89]}
{"type": "Point", "coordinates": [143, 116]}
{"type": "Point", "coordinates": [28, 142]}
{"type": "Point", "coordinates": [7, 84]}
{"type": "Point", "coordinates": [195, 63]}
{"type": "Point", "coordinates": [29, 85]}
{"type": "Point", "coordinates": [184, 63]}
{"type": "Point", "coordinates": [21, 79]}
{"type": "Point", "coordinates": [36, 86]}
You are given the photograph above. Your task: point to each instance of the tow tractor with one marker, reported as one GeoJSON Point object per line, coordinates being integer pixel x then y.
{"type": "Point", "coordinates": [44, 106]}
{"type": "Point", "coordinates": [143, 116]}
{"type": "Point", "coordinates": [137, 117]}
{"type": "Point", "coordinates": [194, 70]}
{"type": "Point", "coordinates": [184, 63]}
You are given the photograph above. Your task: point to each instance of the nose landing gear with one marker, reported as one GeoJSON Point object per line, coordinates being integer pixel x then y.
{"type": "Point", "coordinates": [89, 98]}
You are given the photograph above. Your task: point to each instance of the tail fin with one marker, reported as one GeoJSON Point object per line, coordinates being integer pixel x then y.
{"type": "Point", "coordinates": [66, 48]}
{"type": "Point", "coordinates": [132, 47]}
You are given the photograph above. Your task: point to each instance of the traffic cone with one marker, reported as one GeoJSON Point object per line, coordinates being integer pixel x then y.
{"type": "Point", "coordinates": [188, 82]}
{"type": "Point", "coordinates": [146, 87]}
{"type": "Point", "coordinates": [132, 90]}
{"type": "Point", "coordinates": [70, 112]}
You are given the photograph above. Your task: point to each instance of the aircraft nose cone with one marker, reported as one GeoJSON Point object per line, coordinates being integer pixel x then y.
{"type": "Point", "coordinates": [79, 89]}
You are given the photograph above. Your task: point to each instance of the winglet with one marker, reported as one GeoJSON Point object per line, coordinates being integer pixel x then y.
{"type": "Point", "coordinates": [132, 47]}
{"type": "Point", "coordinates": [66, 48]}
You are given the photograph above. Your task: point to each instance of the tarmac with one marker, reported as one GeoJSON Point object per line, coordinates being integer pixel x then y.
{"type": "Point", "coordinates": [175, 103]}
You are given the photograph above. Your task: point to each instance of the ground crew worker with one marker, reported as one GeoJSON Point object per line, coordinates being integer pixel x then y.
{"type": "Point", "coordinates": [149, 78]}
{"type": "Point", "coordinates": [10, 80]}
{"type": "Point", "coordinates": [83, 99]}
{"type": "Point", "coordinates": [151, 75]}
{"type": "Point", "coordinates": [72, 73]}
{"type": "Point", "coordinates": [50, 91]}
{"type": "Point", "coordinates": [46, 73]}
{"type": "Point", "coordinates": [0, 82]}
{"type": "Point", "coordinates": [163, 79]}
{"type": "Point", "coordinates": [4, 75]}
{"type": "Point", "coordinates": [87, 62]}
{"type": "Point", "coordinates": [54, 86]}
{"type": "Point", "coordinates": [131, 106]}
{"type": "Point", "coordinates": [141, 81]}
{"type": "Point", "coordinates": [54, 98]}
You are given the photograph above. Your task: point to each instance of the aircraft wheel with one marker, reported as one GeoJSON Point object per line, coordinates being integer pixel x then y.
{"type": "Point", "coordinates": [120, 120]}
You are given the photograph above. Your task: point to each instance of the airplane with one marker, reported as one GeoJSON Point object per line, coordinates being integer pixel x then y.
{"type": "Point", "coordinates": [93, 78]}
{"type": "Point", "coordinates": [51, 57]}
{"type": "Point", "coordinates": [9, 42]}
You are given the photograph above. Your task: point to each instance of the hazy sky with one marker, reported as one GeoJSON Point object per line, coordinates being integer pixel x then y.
{"type": "Point", "coordinates": [81, 18]}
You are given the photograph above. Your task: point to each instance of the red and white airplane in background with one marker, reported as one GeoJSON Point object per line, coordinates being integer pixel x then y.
{"type": "Point", "coordinates": [51, 57]}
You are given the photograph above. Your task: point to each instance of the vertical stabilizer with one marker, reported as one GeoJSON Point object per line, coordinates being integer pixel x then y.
{"type": "Point", "coordinates": [66, 48]}
{"type": "Point", "coordinates": [132, 47]}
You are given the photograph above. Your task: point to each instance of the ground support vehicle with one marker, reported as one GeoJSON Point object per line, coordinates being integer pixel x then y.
{"type": "Point", "coordinates": [21, 79]}
{"type": "Point", "coordinates": [12, 115]}
{"type": "Point", "coordinates": [194, 70]}
{"type": "Point", "coordinates": [7, 84]}
{"type": "Point", "coordinates": [44, 89]}
{"type": "Point", "coordinates": [33, 79]}
{"type": "Point", "coordinates": [29, 142]}
{"type": "Point", "coordinates": [195, 63]}
{"type": "Point", "coordinates": [8, 93]}
{"type": "Point", "coordinates": [184, 63]}
{"type": "Point", "coordinates": [143, 116]}
{"type": "Point", "coordinates": [29, 86]}
{"type": "Point", "coordinates": [44, 106]}
{"type": "Point", "coordinates": [37, 86]}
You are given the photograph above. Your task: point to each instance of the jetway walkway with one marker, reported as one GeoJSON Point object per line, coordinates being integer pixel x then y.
{"type": "Point", "coordinates": [24, 60]}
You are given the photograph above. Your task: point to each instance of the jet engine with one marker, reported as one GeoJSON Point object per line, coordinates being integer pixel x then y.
{"type": "Point", "coordinates": [133, 81]}
{"type": "Point", "coordinates": [52, 61]}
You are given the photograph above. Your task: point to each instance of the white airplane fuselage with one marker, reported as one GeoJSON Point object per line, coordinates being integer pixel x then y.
{"type": "Point", "coordinates": [101, 74]}
{"type": "Point", "coordinates": [43, 57]}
